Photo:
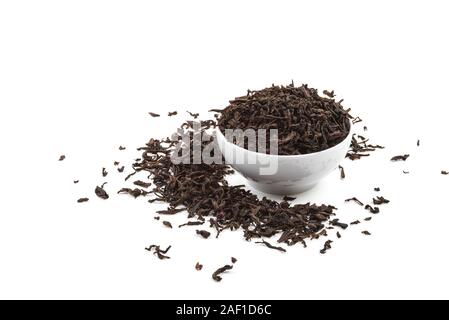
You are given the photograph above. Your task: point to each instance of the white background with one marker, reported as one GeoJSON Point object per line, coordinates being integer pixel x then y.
{"type": "Point", "coordinates": [78, 78]}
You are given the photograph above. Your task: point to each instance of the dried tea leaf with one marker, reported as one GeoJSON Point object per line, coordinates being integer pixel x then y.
{"type": "Point", "coordinates": [191, 223]}
{"type": "Point", "coordinates": [142, 184]}
{"type": "Point", "coordinates": [194, 115]}
{"type": "Point", "coordinates": [342, 172]}
{"type": "Point", "coordinates": [330, 94]}
{"type": "Point", "coordinates": [380, 200]}
{"type": "Point", "coordinates": [327, 246]}
{"type": "Point", "coordinates": [154, 115]}
{"type": "Point", "coordinates": [81, 200]}
{"type": "Point", "coordinates": [170, 211]}
{"type": "Point", "coordinates": [203, 233]}
{"type": "Point", "coordinates": [355, 200]}
{"type": "Point", "coordinates": [360, 148]}
{"type": "Point", "coordinates": [356, 120]}
{"type": "Point", "coordinates": [269, 245]}
{"type": "Point", "coordinates": [101, 193]}
{"type": "Point", "coordinates": [337, 223]}
{"type": "Point", "coordinates": [198, 266]}
{"type": "Point", "coordinates": [400, 157]}
{"type": "Point", "coordinates": [374, 210]}
{"type": "Point", "coordinates": [161, 254]}
{"type": "Point", "coordinates": [219, 271]}
{"type": "Point", "coordinates": [133, 192]}
{"type": "Point", "coordinates": [130, 175]}
{"type": "Point", "coordinates": [167, 224]}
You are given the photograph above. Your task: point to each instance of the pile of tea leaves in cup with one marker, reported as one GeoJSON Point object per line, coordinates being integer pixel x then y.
{"type": "Point", "coordinates": [305, 121]}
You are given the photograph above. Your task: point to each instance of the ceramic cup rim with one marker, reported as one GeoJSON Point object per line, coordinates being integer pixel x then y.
{"type": "Point", "coordinates": [312, 154]}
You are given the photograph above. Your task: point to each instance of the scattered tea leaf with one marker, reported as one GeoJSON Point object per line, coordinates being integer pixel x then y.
{"type": "Point", "coordinates": [142, 184]}
{"type": "Point", "coordinates": [367, 233]}
{"type": "Point", "coordinates": [360, 148]}
{"type": "Point", "coordinates": [355, 200]}
{"type": "Point", "coordinates": [400, 157]}
{"type": "Point", "coordinates": [355, 222]}
{"type": "Point", "coordinates": [121, 148]}
{"type": "Point", "coordinates": [380, 200]}
{"type": "Point", "coordinates": [356, 120]}
{"type": "Point", "coordinates": [170, 211]}
{"type": "Point", "coordinates": [219, 271]}
{"type": "Point", "coordinates": [101, 193]}
{"type": "Point", "coordinates": [154, 115]}
{"type": "Point", "coordinates": [130, 175]}
{"type": "Point", "coordinates": [338, 235]}
{"type": "Point", "coordinates": [133, 192]}
{"type": "Point", "coordinates": [337, 223]}
{"type": "Point", "coordinates": [330, 94]}
{"type": "Point", "coordinates": [161, 254]}
{"type": "Point", "coordinates": [121, 169]}
{"type": "Point", "coordinates": [104, 172]}
{"type": "Point", "coordinates": [171, 114]}
{"type": "Point", "coordinates": [368, 219]}
{"type": "Point", "coordinates": [233, 260]}
{"type": "Point", "coordinates": [269, 245]}
{"type": "Point", "coordinates": [167, 224]}
{"type": "Point", "coordinates": [62, 158]}
{"type": "Point", "coordinates": [327, 246]}
{"type": "Point", "coordinates": [191, 223]}
{"type": "Point", "coordinates": [203, 233]}
{"type": "Point", "coordinates": [194, 115]}
{"type": "Point", "coordinates": [198, 266]}
{"type": "Point", "coordinates": [377, 189]}
{"type": "Point", "coordinates": [81, 200]}
{"type": "Point", "coordinates": [342, 172]}
{"type": "Point", "coordinates": [374, 210]}
{"type": "Point", "coordinates": [444, 172]}
{"type": "Point", "coordinates": [76, 181]}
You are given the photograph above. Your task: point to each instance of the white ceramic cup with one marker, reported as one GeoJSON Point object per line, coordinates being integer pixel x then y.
{"type": "Point", "coordinates": [294, 174]}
